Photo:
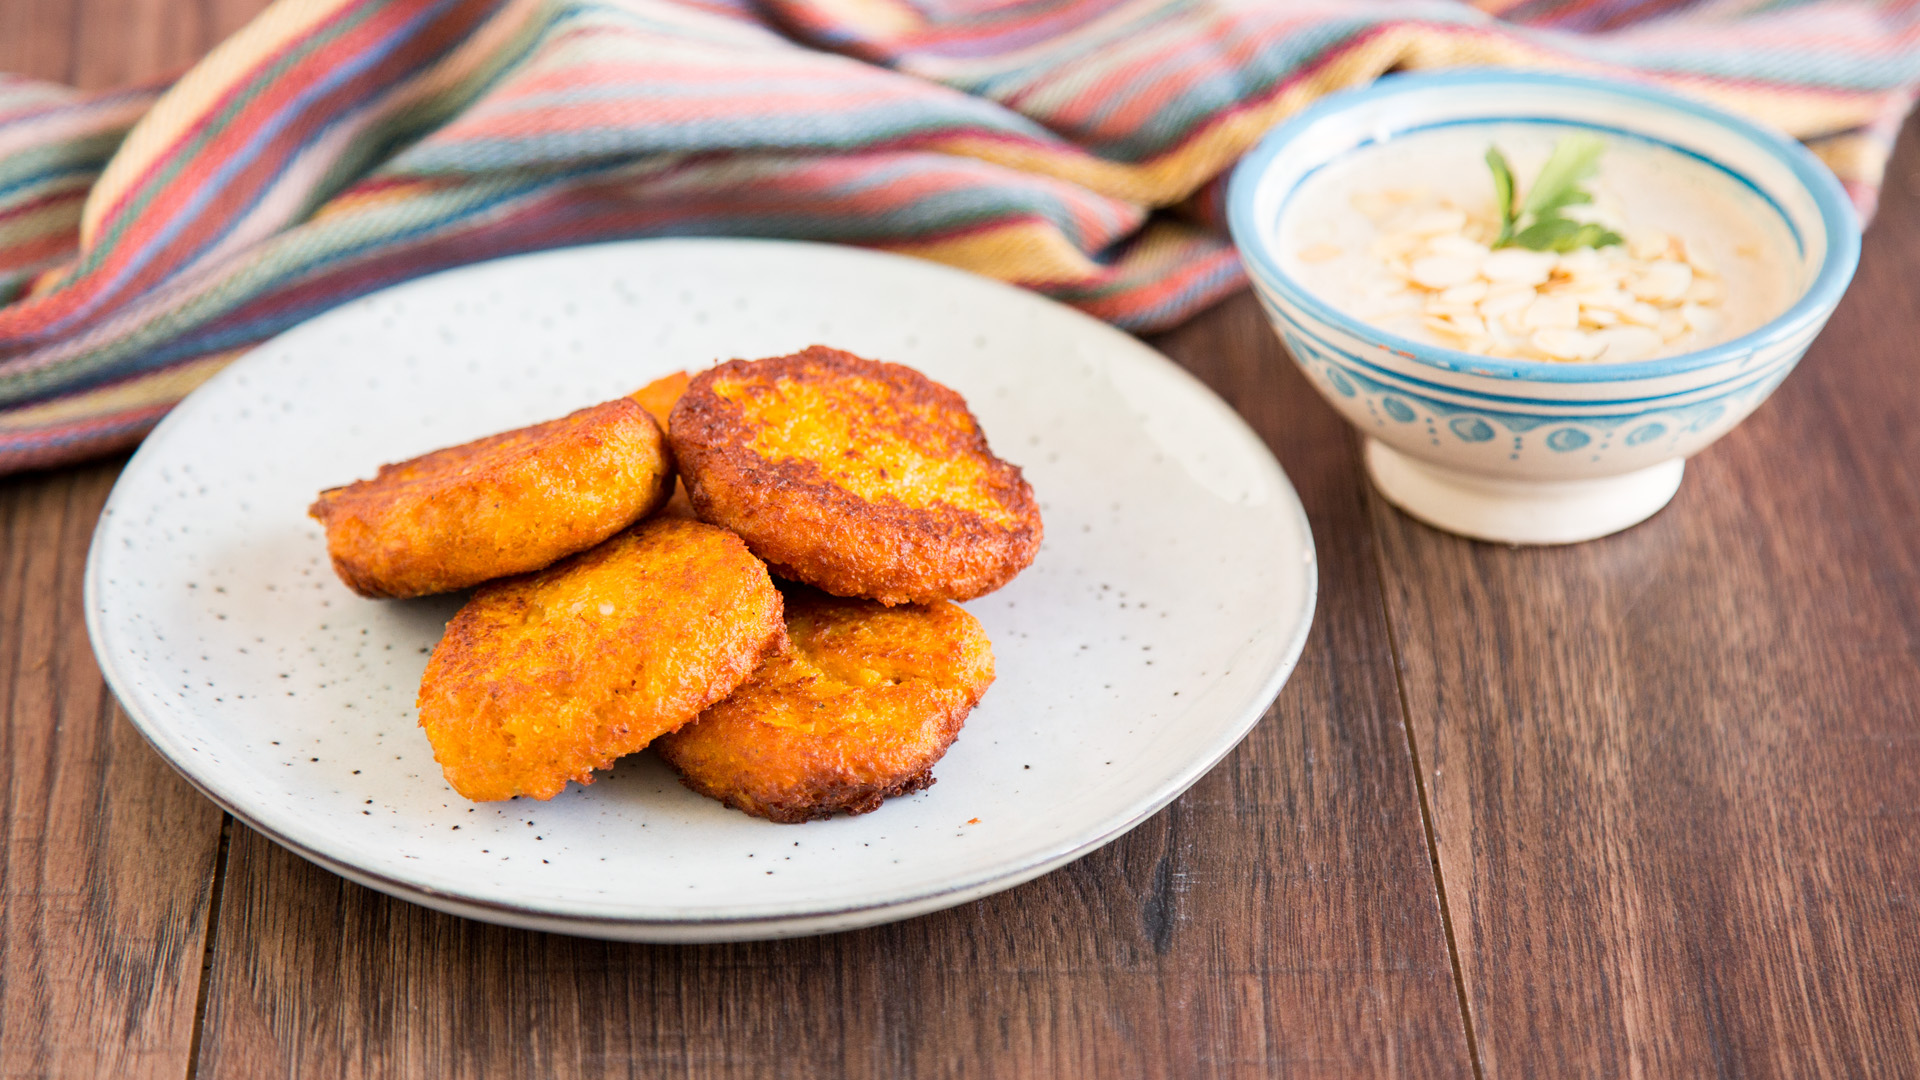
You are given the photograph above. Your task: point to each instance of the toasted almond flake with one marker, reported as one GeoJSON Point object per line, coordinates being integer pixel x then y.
{"type": "Point", "coordinates": [1582, 263]}
{"type": "Point", "coordinates": [1457, 245]}
{"type": "Point", "coordinates": [1552, 312]}
{"type": "Point", "coordinates": [1700, 319]}
{"type": "Point", "coordinates": [1625, 344]}
{"type": "Point", "coordinates": [1697, 257]}
{"type": "Point", "coordinates": [1505, 298]}
{"type": "Point", "coordinates": [1603, 299]}
{"type": "Point", "coordinates": [1470, 293]}
{"type": "Point", "coordinates": [1641, 313]}
{"type": "Point", "coordinates": [1471, 325]}
{"type": "Point", "coordinates": [1651, 244]}
{"type": "Point", "coordinates": [1395, 245]}
{"type": "Point", "coordinates": [1437, 222]}
{"type": "Point", "coordinates": [1442, 271]}
{"type": "Point", "coordinates": [1567, 344]}
{"type": "Point", "coordinates": [1517, 266]}
{"type": "Point", "coordinates": [1319, 253]}
{"type": "Point", "coordinates": [1437, 306]}
{"type": "Point", "coordinates": [1664, 281]}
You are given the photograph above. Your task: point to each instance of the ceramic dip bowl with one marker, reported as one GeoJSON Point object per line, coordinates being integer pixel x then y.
{"type": "Point", "coordinates": [1521, 449]}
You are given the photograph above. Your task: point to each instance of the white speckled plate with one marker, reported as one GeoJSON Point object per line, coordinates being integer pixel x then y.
{"type": "Point", "coordinates": [1168, 604]}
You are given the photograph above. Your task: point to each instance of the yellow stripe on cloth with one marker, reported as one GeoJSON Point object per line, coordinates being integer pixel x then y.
{"type": "Point", "coordinates": [197, 91]}
{"type": "Point", "coordinates": [163, 387]}
{"type": "Point", "coordinates": [1167, 179]}
{"type": "Point", "coordinates": [1027, 252]}
{"type": "Point", "coordinates": [1853, 158]}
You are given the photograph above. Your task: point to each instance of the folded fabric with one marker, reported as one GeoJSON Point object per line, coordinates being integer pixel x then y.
{"type": "Point", "coordinates": [333, 147]}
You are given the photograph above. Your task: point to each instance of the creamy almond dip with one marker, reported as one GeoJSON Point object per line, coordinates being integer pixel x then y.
{"type": "Point", "coordinates": [1401, 235]}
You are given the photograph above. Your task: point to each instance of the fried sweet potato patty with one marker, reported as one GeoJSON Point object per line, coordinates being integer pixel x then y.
{"type": "Point", "coordinates": [857, 709]}
{"type": "Point", "coordinates": [658, 398]}
{"type": "Point", "coordinates": [862, 478]}
{"type": "Point", "coordinates": [506, 504]}
{"type": "Point", "coordinates": [543, 679]}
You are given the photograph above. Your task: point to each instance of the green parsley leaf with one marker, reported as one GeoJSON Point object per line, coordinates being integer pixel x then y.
{"type": "Point", "coordinates": [1563, 235]}
{"type": "Point", "coordinates": [1503, 191]}
{"type": "Point", "coordinates": [1573, 162]}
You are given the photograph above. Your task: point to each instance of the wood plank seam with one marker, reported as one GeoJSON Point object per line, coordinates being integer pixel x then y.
{"type": "Point", "coordinates": [1376, 507]}
{"type": "Point", "coordinates": [212, 940]}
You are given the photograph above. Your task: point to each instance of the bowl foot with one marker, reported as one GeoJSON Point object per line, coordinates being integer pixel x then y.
{"type": "Point", "coordinates": [1520, 511]}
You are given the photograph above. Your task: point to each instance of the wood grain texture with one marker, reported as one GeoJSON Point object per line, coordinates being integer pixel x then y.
{"type": "Point", "coordinates": [109, 855]}
{"type": "Point", "coordinates": [1672, 778]}
{"type": "Point", "coordinates": [1675, 774]}
{"type": "Point", "coordinates": [1278, 919]}
{"type": "Point", "coordinates": [98, 44]}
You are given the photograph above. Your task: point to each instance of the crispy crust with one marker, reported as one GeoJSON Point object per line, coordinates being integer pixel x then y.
{"type": "Point", "coordinates": [862, 478]}
{"type": "Point", "coordinates": [658, 398]}
{"type": "Point", "coordinates": [856, 710]}
{"type": "Point", "coordinates": [506, 504]}
{"type": "Point", "coordinates": [543, 679]}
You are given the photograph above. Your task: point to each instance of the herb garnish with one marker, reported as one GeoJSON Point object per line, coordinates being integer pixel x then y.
{"type": "Point", "coordinates": [1572, 163]}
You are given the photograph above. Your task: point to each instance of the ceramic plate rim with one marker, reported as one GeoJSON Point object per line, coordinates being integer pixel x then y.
{"type": "Point", "coordinates": [778, 920]}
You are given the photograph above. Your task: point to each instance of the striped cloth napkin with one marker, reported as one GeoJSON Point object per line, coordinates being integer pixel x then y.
{"type": "Point", "coordinates": [333, 147]}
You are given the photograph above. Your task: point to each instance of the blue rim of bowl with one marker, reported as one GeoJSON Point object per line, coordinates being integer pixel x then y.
{"type": "Point", "coordinates": [1837, 219]}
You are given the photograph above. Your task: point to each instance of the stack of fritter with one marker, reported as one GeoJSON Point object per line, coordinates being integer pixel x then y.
{"type": "Point", "coordinates": [641, 619]}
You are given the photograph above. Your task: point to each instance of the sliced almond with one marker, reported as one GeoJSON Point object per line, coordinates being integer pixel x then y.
{"type": "Point", "coordinates": [1393, 245]}
{"type": "Point", "coordinates": [1518, 266]}
{"type": "Point", "coordinates": [1700, 319]}
{"type": "Point", "coordinates": [1598, 317]}
{"type": "Point", "coordinates": [1697, 257]}
{"type": "Point", "coordinates": [1567, 344]}
{"type": "Point", "coordinates": [1455, 244]}
{"type": "Point", "coordinates": [1552, 312]}
{"type": "Point", "coordinates": [1641, 313]}
{"type": "Point", "coordinates": [1604, 298]}
{"type": "Point", "coordinates": [1470, 293]}
{"type": "Point", "coordinates": [1503, 299]}
{"type": "Point", "coordinates": [1436, 306]}
{"type": "Point", "coordinates": [1442, 271]}
{"type": "Point", "coordinates": [1705, 291]}
{"type": "Point", "coordinates": [1650, 244]}
{"type": "Point", "coordinates": [1582, 263]}
{"type": "Point", "coordinates": [1437, 222]}
{"type": "Point", "coordinates": [1663, 281]}
{"type": "Point", "coordinates": [1625, 344]}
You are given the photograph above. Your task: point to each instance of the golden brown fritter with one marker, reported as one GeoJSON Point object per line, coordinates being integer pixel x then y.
{"type": "Point", "coordinates": [857, 709]}
{"type": "Point", "coordinates": [658, 397]}
{"type": "Point", "coordinates": [506, 504]}
{"type": "Point", "coordinates": [862, 478]}
{"type": "Point", "coordinates": [543, 679]}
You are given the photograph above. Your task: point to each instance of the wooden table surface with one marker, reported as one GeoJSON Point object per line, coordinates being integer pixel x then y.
{"type": "Point", "coordinates": [1646, 806]}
